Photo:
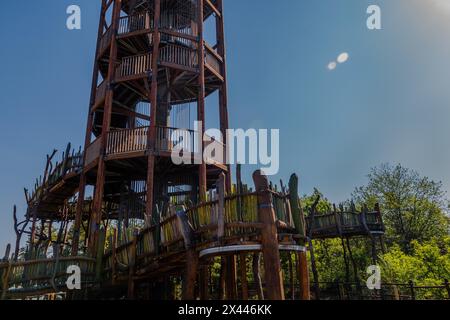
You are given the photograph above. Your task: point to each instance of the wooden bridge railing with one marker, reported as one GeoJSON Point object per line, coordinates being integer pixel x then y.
{"type": "Point", "coordinates": [70, 164]}
{"type": "Point", "coordinates": [205, 218]}
{"type": "Point", "coordinates": [40, 275]}
{"type": "Point", "coordinates": [346, 222]}
{"type": "Point", "coordinates": [239, 219]}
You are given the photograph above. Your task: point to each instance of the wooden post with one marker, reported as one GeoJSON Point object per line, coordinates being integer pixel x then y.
{"type": "Point", "coordinates": [257, 276]}
{"type": "Point", "coordinates": [132, 268]}
{"type": "Point", "coordinates": [396, 292]}
{"type": "Point", "coordinates": [101, 170]}
{"type": "Point", "coordinates": [231, 284]}
{"type": "Point", "coordinates": [296, 208]}
{"type": "Point", "coordinates": [204, 281]}
{"type": "Point", "coordinates": [7, 252]}
{"type": "Point", "coordinates": [300, 225]}
{"type": "Point", "coordinates": [291, 276]}
{"type": "Point", "coordinates": [243, 276]}
{"type": "Point", "coordinates": [223, 278]}
{"type": "Point", "coordinates": [303, 274]}
{"type": "Point", "coordinates": [190, 275]}
{"type": "Point", "coordinates": [192, 258]}
{"type": "Point", "coordinates": [153, 114]}
{"type": "Point", "coordinates": [201, 98]}
{"type": "Point", "coordinates": [114, 257]}
{"type": "Point", "coordinates": [354, 266]}
{"type": "Point", "coordinates": [447, 287]}
{"type": "Point", "coordinates": [100, 253]}
{"type": "Point", "coordinates": [311, 249]}
{"type": "Point", "coordinates": [411, 288]}
{"type": "Point", "coordinates": [221, 207]}
{"type": "Point", "coordinates": [228, 262]}
{"type": "Point", "coordinates": [269, 238]}
{"type": "Point", "coordinates": [5, 280]}
{"type": "Point", "coordinates": [223, 90]}
{"type": "Point", "coordinates": [341, 290]}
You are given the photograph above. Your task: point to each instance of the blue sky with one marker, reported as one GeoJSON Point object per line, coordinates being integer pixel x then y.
{"type": "Point", "coordinates": [388, 103]}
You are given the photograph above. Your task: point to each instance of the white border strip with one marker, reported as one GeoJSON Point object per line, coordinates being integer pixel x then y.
{"type": "Point", "coordinates": [252, 247]}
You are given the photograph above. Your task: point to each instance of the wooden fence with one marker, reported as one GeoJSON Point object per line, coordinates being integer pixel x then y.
{"type": "Point", "coordinates": [345, 222]}
{"type": "Point", "coordinates": [70, 164]}
{"type": "Point", "coordinates": [41, 275]}
{"type": "Point", "coordinates": [388, 291]}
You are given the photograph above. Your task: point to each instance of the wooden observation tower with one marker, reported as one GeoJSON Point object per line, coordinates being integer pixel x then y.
{"type": "Point", "coordinates": [138, 224]}
{"type": "Point", "coordinates": [153, 71]}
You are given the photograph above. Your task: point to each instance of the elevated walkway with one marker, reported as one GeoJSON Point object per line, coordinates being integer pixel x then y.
{"type": "Point", "coordinates": [214, 228]}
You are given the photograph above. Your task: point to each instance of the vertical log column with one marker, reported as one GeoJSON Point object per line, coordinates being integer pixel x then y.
{"type": "Point", "coordinates": [192, 257]}
{"type": "Point", "coordinates": [153, 97]}
{"type": "Point", "coordinates": [223, 91]}
{"type": "Point", "coordinates": [100, 184]}
{"type": "Point", "coordinates": [300, 225]}
{"type": "Point", "coordinates": [229, 263]}
{"type": "Point", "coordinates": [87, 141]}
{"type": "Point", "coordinates": [201, 99]}
{"type": "Point", "coordinates": [269, 238]}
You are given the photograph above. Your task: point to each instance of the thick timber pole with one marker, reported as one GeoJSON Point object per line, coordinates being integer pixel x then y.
{"type": "Point", "coordinates": [223, 90]}
{"type": "Point", "coordinates": [153, 108]}
{"type": "Point", "coordinates": [87, 141]}
{"type": "Point", "coordinates": [201, 100]}
{"type": "Point", "coordinates": [100, 184]}
{"type": "Point", "coordinates": [269, 238]}
{"type": "Point", "coordinates": [300, 226]}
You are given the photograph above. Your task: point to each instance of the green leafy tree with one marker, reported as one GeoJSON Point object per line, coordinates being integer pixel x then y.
{"type": "Point", "coordinates": [428, 264]}
{"type": "Point", "coordinates": [414, 207]}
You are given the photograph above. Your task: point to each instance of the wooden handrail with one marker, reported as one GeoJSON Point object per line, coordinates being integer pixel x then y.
{"type": "Point", "coordinates": [136, 140]}
{"type": "Point", "coordinates": [136, 22]}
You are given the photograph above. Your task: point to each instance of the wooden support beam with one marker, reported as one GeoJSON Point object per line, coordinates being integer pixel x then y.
{"type": "Point", "coordinates": [223, 90]}
{"type": "Point", "coordinates": [269, 238]}
{"type": "Point", "coordinates": [231, 283]}
{"type": "Point", "coordinates": [201, 100]}
{"type": "Point", "coordinates": [153, 97]}
{"type": "Point", "coordinates": [204, 282]}
{"type": "Point", "coordinates": [7, 252]}
{"type": "Point", "coordinates": [221, 207]}
{"type": "Point", "coordinates": [243, 276]}
{"type": "Point", "coordinates": [132, 269]}
{"type": "Point", "coordinates": [303, 274]}
{"type": "Point", "coordinates": [101, 170]}
{"type": "Point", "coordinates": [190, 275]}
{"type": "Point", "coordinates": [256, 261]}
{"type": "Point", "coordinates": [114, 257]}
{"type": "Point", "coordinates": [5, 280]}
{"type": "Point", "coordinates": [300, 225]}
